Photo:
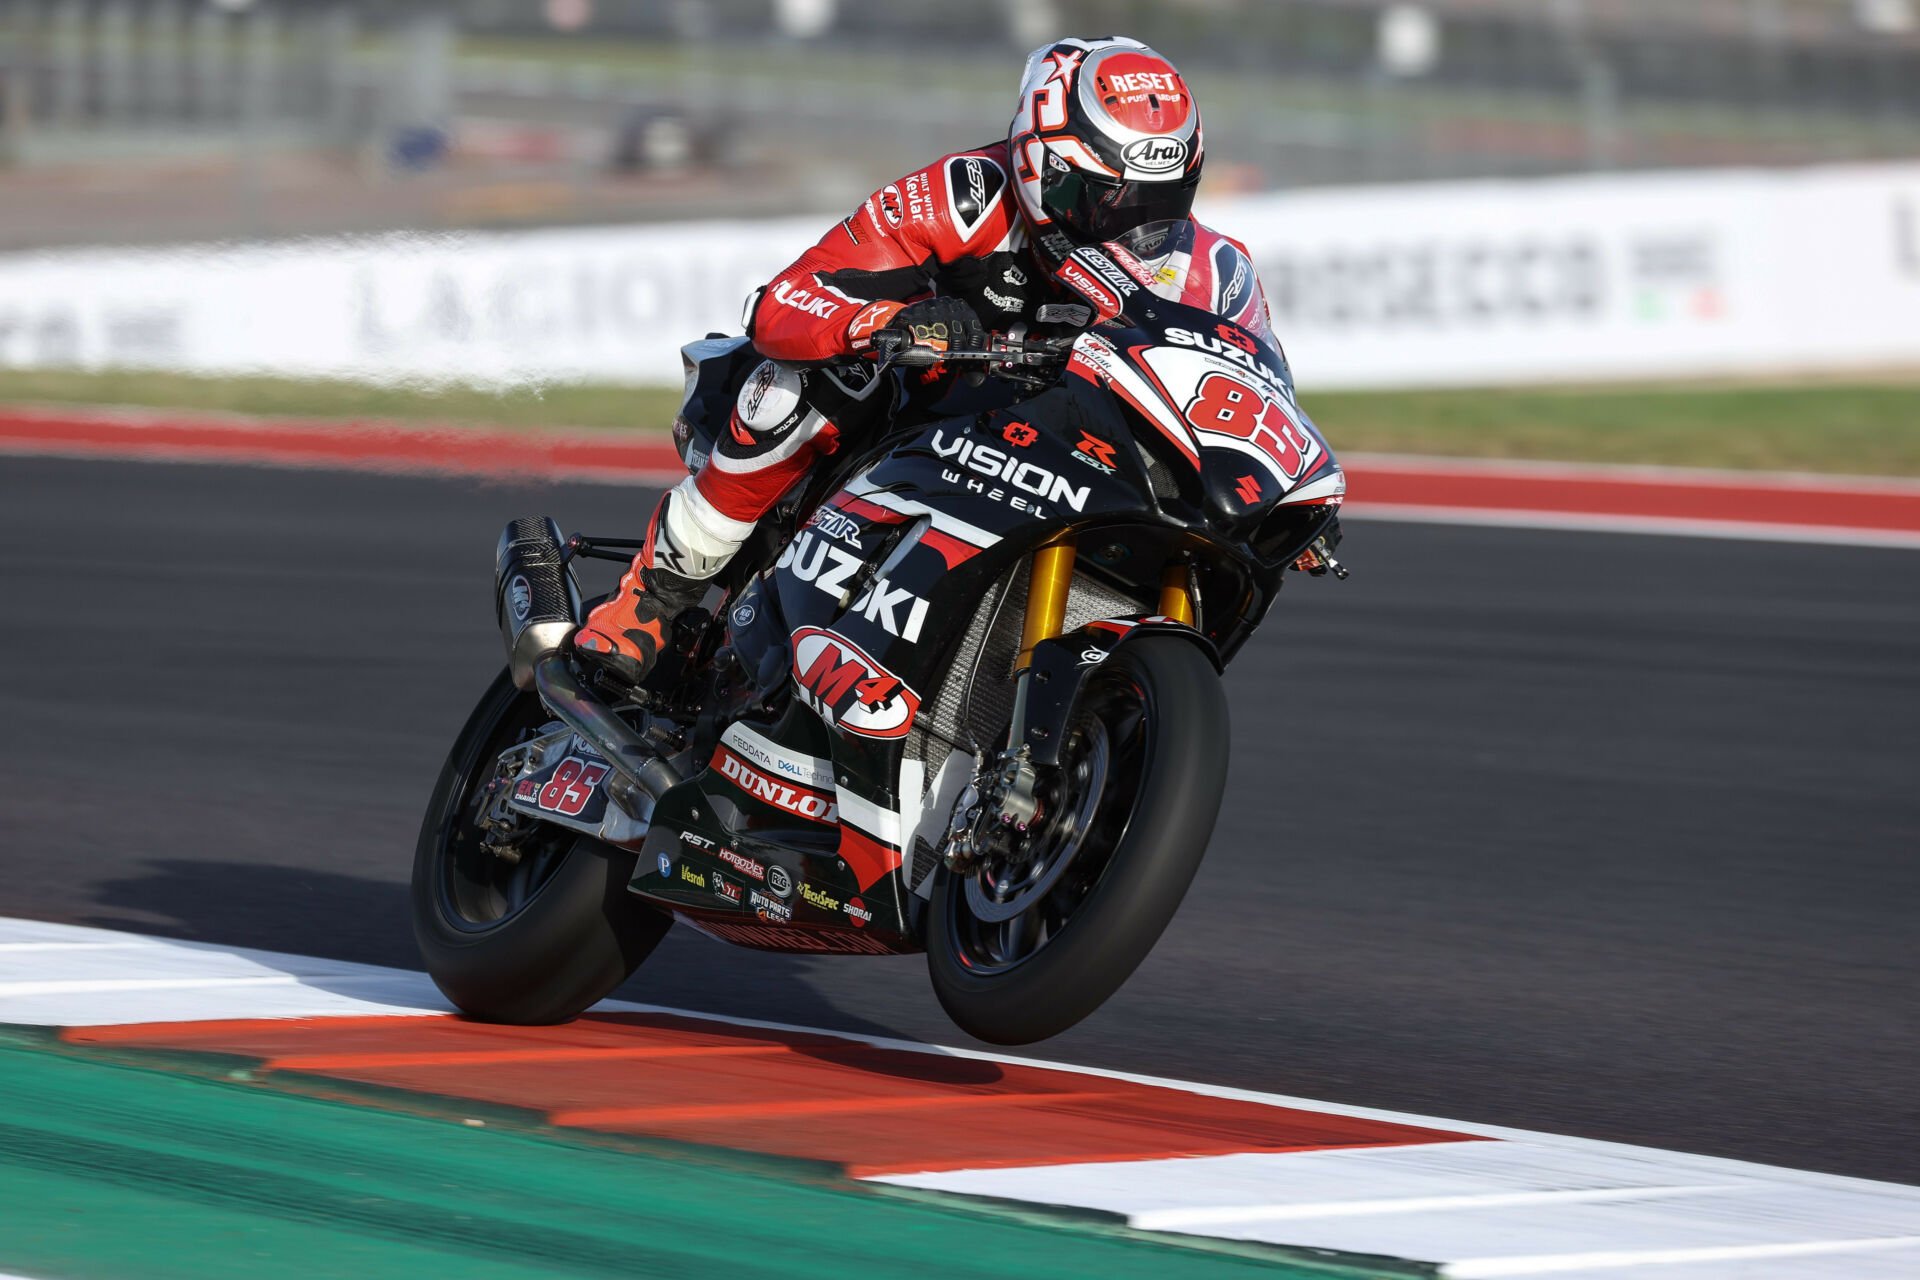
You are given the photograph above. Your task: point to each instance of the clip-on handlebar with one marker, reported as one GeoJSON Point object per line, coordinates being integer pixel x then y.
{"type": "Point", "coordinates": [1004, 357]}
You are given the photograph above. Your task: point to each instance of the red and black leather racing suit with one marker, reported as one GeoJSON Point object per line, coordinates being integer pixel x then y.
{"type": "Point", "coordinates": [953, 229]}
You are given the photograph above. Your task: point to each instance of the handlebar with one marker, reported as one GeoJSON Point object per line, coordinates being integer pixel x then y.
{"type": "Point", "coordinates": [1004, 356]}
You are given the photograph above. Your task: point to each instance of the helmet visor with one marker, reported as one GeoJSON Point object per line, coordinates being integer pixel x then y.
{"type": "Point", "coordinates": [1098, 208]}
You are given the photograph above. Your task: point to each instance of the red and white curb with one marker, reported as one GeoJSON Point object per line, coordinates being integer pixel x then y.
{"type": "Point", "coordinates": [1853, 511]}
{"type": "Point", "coordinates": [1474, 1200]}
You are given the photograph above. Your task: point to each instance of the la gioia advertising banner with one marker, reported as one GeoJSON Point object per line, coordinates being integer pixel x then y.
{"type": "Point", "coordinates": [1650, 275]}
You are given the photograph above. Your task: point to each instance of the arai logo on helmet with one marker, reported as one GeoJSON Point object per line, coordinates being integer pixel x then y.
{"type": "Point", "coordinates": [1155, 155]}
{"type": "Point", "coordinates": [520, 595]}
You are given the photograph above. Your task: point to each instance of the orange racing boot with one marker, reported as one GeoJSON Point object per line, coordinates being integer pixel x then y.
{"type": "Point", "coordinates": [626, 634]}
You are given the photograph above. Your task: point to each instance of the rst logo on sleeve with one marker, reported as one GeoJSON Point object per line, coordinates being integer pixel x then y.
{"type": "Point", "coordinates": [1233, 280]}
{"type": "Point", "coordinates": [973, 189]}
{"type": "Point", "coordinates": [849, 689]}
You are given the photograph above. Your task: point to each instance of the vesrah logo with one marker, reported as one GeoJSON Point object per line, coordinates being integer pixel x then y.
{"type": "Point", "coordinates": [1155, 155]}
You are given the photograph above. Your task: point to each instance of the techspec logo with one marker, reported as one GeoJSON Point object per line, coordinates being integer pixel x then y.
{"type": "Point", "coordinates": [802, 802]}
{"type": "Point", "coordinates": [849, 689]}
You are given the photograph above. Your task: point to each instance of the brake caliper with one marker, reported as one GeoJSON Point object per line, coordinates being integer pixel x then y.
{"type": "Point", "coordinates": [994, 813]}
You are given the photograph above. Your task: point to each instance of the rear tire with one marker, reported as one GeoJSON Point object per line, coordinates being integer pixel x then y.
{"type": "Point", "coordinates": [531, 942]}
{"type": "Point", "coordinates": [1161, 707]}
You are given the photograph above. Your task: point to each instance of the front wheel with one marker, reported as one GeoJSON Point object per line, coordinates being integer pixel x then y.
{"type": "Point", "coordinates": [1022, 948]}
{"type": "Point", "coordinates": [520, 921]}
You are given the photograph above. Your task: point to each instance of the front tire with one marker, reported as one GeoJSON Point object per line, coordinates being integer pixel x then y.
{"type": "Point", "coordinates": [528, 941]}
{"type": "Point", "coordinates": [1021, 956]}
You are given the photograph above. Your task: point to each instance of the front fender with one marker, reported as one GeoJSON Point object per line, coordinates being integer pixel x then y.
{"type": "Point", "coordinates": [1062, 665]}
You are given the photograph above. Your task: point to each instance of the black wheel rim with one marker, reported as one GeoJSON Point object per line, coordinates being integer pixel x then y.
{"type": "Point", "coordinates": [479, 888]}
{"type": "Point", "coordinates": [1002, 915]}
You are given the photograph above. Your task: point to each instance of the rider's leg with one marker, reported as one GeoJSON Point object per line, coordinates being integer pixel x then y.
{"type": "Point", "coordinates": [772, 439]}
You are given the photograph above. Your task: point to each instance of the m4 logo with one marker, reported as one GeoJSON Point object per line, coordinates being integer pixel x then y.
{"type": "Point", "coordinates": [849, 689]}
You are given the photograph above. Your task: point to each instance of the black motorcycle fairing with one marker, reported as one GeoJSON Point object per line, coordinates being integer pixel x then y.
{"type": "Point", "coordinates": [840, 654]}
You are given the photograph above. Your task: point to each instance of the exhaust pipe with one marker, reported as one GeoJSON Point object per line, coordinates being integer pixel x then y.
{"type": "Point", "coordinates": [538, 606]}
{"type": "Point", "coordinates": [608, 734]}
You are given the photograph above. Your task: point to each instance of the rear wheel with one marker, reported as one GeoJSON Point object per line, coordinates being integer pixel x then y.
{"type": "Point", "coordinates": [526, 924]}
{"type": "Point", "coordinates": [1022, 948]}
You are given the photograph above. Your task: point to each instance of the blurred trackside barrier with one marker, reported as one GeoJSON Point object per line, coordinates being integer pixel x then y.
{"type": "Point", "coordinates": [1593, 278]}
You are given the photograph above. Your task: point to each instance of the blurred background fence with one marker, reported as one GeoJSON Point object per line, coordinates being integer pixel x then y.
{"type": "Point", "coordinates": [601, 180]}
{"type": "Point", "coordinates": [158, 120]}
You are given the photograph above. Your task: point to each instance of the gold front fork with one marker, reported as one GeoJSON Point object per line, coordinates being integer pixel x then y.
{"type": "Point", "coordinates": [1176, 601]}
{"type": "Point", "coordinates": [1047, 589]}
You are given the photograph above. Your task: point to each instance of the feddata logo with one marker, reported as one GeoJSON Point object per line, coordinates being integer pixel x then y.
{"type": "Point", "coordinates": [520, 596]}
{"type": "Point", "coordinates": [1155, 155]}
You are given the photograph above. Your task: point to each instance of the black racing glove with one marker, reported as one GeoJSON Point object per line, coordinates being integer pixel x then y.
{"type": "Point", "coordinates": [945, 324]}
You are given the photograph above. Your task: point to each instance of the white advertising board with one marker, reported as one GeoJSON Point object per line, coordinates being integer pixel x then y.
{"type": "Point", "coordinates": [1636, 276]}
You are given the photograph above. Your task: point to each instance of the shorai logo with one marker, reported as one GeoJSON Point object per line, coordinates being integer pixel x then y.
{"type": "Point", "coordinates": [848, 689]}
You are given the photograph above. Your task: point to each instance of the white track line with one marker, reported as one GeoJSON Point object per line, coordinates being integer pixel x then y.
{"type": "Point", "coordinates": [1487, 1268]}
{"type": "Point", "coordinates": [1191, 1219]}
{"type": "Point", "coordinates": [1522, 1204]}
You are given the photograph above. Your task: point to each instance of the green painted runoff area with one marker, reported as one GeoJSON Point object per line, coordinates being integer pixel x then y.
{"type": "Point", "coordinates": [113, 1171]}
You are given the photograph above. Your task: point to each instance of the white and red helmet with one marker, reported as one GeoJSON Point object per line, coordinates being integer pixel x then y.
{"type": "Point", "coordinates": [1106, 138]}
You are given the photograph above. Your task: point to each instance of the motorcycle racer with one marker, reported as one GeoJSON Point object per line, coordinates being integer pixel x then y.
{"type": "Point", "coordinates": [1105, 144]}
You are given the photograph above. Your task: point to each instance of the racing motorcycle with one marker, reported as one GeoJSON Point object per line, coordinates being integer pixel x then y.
{"type": "Point", "coordinates": [960, 693]}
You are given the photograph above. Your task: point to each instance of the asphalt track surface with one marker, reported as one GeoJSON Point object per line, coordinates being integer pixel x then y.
{"type": "Point", "coordinates": [1594, 833]}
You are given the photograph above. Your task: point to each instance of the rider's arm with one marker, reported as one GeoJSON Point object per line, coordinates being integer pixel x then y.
{"type": "Point", "coordinates": [850, 284]}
